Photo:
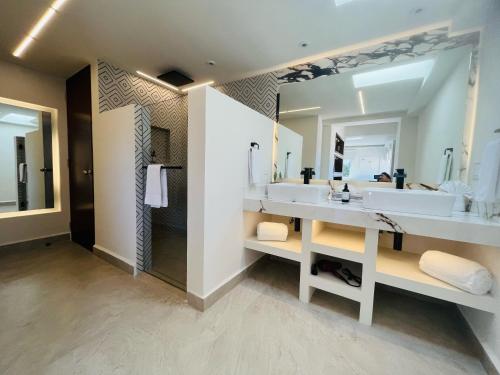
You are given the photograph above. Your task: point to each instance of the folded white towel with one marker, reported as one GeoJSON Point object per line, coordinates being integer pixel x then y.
{"type": "Point", "coordinates": [156, 186]}
{"type": "Point", "coordinates": [22, 172]}
{"type": "Point", "coordinates": [445, 164]}
{"type": "Point", "coordinates": [272, 231]}
{"type": "Point", "coordinates": [460, 272]}
{"type": "Point", "coordinates": [254, 165]}
{"type": "Point", "coordinates": [488, 190]}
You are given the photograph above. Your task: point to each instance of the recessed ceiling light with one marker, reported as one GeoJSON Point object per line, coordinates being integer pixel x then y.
{"type": "Point", "coordinates": [197, 86]}
{"type": "Point", "coordinates": [156, 80]}
{"type": "Point", "coordinates": [341, 2]}
{"type": "Point", "coordinates": [39, 26]}
{"type": "Point", "coordinates": [211, 62]}
{"type": "Point", "coordinates": [299, 110]}
{"type": "Point", "coordinates": [420, 69]}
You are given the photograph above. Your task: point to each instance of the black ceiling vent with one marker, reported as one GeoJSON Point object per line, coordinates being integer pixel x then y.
{"type": "Point", "coordinates": [175, 78]}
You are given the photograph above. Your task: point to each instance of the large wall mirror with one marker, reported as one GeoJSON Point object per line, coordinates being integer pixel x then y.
{"type": "Point", "coordinates": [26, 147]}
{"type": "Point", "coordinates": [406, 104]}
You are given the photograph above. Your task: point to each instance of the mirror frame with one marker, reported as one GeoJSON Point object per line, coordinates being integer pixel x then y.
{"type": "Point", "coordinates": [56, 162]}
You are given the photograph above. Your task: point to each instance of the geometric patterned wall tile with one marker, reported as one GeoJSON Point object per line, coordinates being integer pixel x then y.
{"type": "Point", "coordinates": [118, 88]}
{"type": "Point", "coordinates": [171, 115]}
{"type": "Point", "coordinates": [259, 93]}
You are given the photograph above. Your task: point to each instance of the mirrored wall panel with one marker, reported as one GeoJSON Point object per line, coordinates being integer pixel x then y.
{"type": "Point", "coordinates": [404, 104]}
{"type": "Point", "coordinates": [26, 174]}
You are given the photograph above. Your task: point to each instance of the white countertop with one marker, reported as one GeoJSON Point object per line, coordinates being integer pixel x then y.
{"type": "Point", "coordinates": [461, 226]}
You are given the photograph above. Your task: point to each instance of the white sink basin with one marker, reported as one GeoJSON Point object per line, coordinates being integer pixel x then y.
{"type": "Point", "coordinates": [410, 201]}
{"type": "Point", "coordinates": [286, 192]}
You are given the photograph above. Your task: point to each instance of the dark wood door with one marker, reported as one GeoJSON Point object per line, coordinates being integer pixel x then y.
{"type": "Point", "coordinates": [79, 107]}
{"type": "Point", "coordinates": [47, 159]}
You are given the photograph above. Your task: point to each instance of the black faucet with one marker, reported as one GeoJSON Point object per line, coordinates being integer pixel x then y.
{"type": "Point", "coordinates": [400, 176]}
{"type": "Point", "coordinates": [307, 173]}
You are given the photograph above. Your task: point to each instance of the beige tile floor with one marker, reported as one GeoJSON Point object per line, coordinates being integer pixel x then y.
{"type": "Point", "coordinates": [64, 311]}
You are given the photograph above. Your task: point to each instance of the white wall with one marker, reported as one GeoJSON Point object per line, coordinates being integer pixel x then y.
{"type": "Point", "coordinates": [29, 86]}
{"type": "Point", "coordinates": [288, 141]}
{"type": "Point", "coordinates": [8, 167]}
{"type": "Point", "coordinates": [441, 125]}
{"type": "Point", "coordinates": [113, 137]}
{"type": "Point", "coordinates": [219, 134]}
{"type": "Point", "coordinates": [310, 128]}
{"type": "Point", "coordinates": [33, 142]}
{"type": "Point", "coordinates": [326, 152]}
{"type": "Point", "coordinates": [487, 326]}
{"type": "Point", "coordinates": [408, 146]}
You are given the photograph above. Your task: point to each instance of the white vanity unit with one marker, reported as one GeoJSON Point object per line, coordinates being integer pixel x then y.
{"type": "Point", "coordinates": [350, 234]}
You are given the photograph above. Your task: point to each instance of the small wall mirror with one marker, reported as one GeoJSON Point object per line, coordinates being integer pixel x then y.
{"type": "Point", "coordinates": [401, 104]}
{"type": "Point", "coordinates": [26, 170]}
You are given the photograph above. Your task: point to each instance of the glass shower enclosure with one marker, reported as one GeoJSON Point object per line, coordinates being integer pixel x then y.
{"type": "Point", "coordinates": [167, 228]}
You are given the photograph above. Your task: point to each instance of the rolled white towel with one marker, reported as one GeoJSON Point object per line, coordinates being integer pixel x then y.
{"type": "Point", "coordinates": [460, 272]}
{"type": "Point", "coordinates": [272, 231]}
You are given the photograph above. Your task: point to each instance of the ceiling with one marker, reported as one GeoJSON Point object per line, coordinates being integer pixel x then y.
{"type": "Point", "coordinates": [13, 115]}
{"type": "Point", "coordinates": [338, 98]}
{"type": "Point", "coordinates": [242, 37]}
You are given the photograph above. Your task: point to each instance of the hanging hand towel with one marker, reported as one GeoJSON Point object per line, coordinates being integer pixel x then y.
{"type": "Point", "coordinates": [156, 186]}
{"type": "Point", "coordinates": [22, 172]}
{"type": "Point", "coordinates": [488, 187]}
{"type": "Point", "coordinates": [254, 166]}
{"type": "Point", "coordinates": [445, 164]}
{"type": "Point", "coordinates": [164, 187]}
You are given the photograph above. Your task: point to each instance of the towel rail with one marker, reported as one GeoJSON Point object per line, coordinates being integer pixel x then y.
{"type": "Point", "coordinates": [166, 167]}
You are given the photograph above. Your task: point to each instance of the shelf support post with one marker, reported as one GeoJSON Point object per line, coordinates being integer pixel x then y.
{"type": "Point", "coordinates": [368, 279]}
{"type": "Point", "coordinates": [305, 291]}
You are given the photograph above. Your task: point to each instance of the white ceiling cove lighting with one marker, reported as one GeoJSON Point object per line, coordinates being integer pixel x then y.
{"type": "Point", "coordinates": [158, 81]}
{"type": "Point", "coordinates": [197, 86]}
{"type": "Point", "coordinates": [415, 70]}
{"type": "Point", "coordinates": [361, 101]}
{"type": "Point", "coordinates": [39, 26]}
{"type": "Point", "coordinates": [299, 110]}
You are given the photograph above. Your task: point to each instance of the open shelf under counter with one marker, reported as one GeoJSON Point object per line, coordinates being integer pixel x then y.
{"type": "Point", "coordinates": [341, 243]}
{"type": "Point", "coordinates": [400, 269]}
{"type": "Point", "coordinates": [331, 284]}
{"type": "Point", "coordinates": [289, 249]}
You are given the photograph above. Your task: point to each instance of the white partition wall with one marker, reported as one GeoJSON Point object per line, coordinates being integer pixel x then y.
{"type": "Point", "coordinates": [220, 131]}
{"type": "Point", "coordinates": [114, 183]}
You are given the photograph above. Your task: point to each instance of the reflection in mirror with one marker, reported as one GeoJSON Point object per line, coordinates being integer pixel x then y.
{"type": "Point", "coordinates": [364, 122]}
{"type": "Point", "coordinates": [25, 159]}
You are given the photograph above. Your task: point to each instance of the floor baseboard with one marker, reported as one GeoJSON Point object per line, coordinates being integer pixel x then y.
{"type": "Point", "coordinates": [483, 356]}
{"type": "Point", "coordinates": [37, 242]}
{"type": "Point", "coordinates": [202, 304]}
{"type": "Point", "coordinates": [124, 266]}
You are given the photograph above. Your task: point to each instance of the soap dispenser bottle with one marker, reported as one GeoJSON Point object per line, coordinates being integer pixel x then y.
{"type": "Point", "coordinates": [346, 196]}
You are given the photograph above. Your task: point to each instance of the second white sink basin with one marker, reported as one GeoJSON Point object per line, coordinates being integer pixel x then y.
{"type": "Point", "coordinates": [410, 201]}
{"type": "Point", "coordinates": [286, 192]}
